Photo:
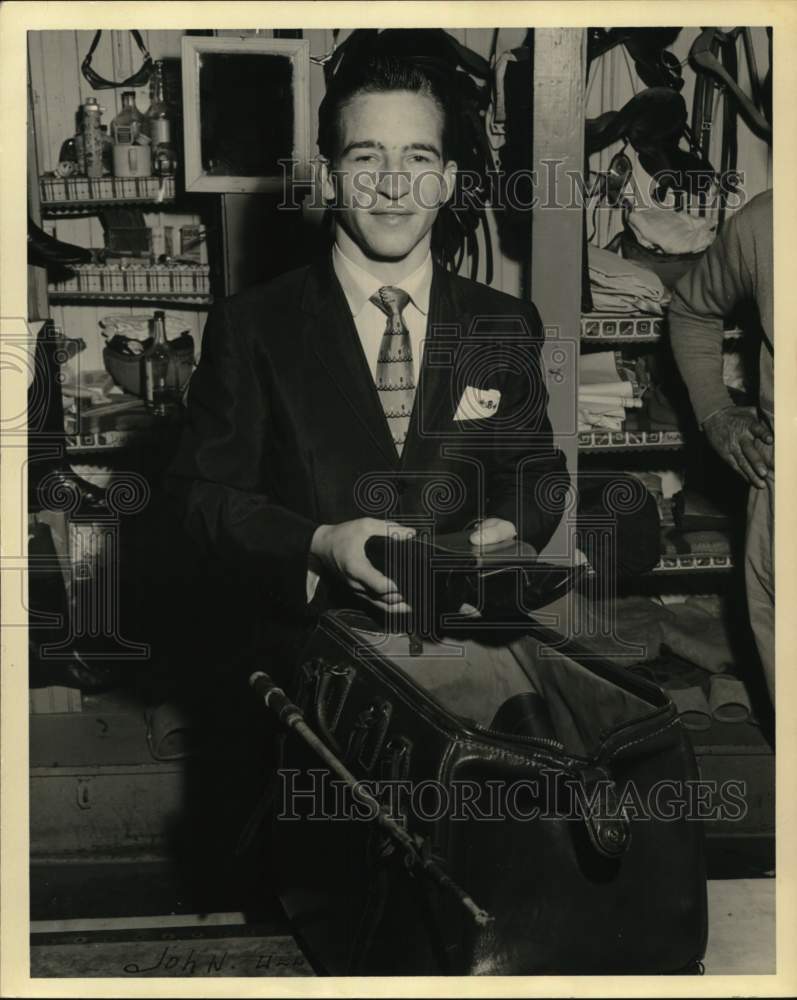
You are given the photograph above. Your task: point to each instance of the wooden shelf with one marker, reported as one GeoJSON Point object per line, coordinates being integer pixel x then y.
{"type": "Point", "coordinates": [110, 440]}
{"type": "Point", "coordinates": [605, 328]}
{"type": "Point", "coordinates": [694, 563]}
{"type": "Point", "coordinates": [135, 282]}
{"type": "Point", "coordinates": [601, 441]}
{"type": "Point", "coordinates": [82, 195]}
{"type": "Point", "coordinates": [170, 297]}
{"type": "Point", "coordinates": [621, 328]}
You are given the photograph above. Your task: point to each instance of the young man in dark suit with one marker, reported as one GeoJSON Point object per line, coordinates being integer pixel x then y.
{"type": "Point", "coordinates": [373, 391]}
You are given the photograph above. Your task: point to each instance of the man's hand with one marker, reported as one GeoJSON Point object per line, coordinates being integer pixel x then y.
{"type": "Point", "coordinates": [492, 530]}
{"type": "Point", "coordinates": [743, 441]}
{"type": "Point", "coordinates": [341, 550]}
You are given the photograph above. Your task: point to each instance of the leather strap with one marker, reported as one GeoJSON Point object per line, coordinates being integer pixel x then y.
{"type": "Point", "coordinates": [730, 143]}
{"type": "Point", "coordinates": [138, 79]}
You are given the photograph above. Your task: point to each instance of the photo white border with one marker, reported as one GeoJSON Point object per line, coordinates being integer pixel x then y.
{"type": "Point", "coordinates": [15, 19]}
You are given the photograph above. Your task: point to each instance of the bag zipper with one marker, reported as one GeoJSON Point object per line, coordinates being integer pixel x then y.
{"type": "Point", "coordinates": [508, 737]}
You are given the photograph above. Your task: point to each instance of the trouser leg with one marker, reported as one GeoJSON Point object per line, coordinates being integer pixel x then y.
{"type": "Point", "coordinates": [759, 572]}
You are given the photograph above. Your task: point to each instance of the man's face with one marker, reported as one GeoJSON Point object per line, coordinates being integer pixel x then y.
{"type": "Point", "coordinates": [389, 179]}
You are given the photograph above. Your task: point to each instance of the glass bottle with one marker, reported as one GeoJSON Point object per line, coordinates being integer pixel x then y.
{"type": "Point", "coordinates": [132, 153]}
{"type": "Point", "coordinates": [161, 123]}
{"type": "Point", "coordinates": [130, 126]}
{"type": "Point", "coordinates": [92, 137]}
{"type": "Point", "coordinates": [156, 358]}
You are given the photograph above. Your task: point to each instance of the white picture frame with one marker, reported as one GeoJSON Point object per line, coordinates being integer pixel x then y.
{"type": "Point", "coordinates": [213, 162]}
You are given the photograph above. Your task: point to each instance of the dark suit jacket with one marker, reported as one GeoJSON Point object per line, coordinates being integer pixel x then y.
{"type": "Point", "coordinates": [285, 429]}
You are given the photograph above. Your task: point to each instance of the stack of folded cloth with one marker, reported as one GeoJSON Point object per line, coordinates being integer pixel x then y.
{"type": "Point", "coordinates": [620, 286]}
{"type": "Point", "coordinates": [604, 393]}
{"type": "Point", "coordinates": [705, 542]}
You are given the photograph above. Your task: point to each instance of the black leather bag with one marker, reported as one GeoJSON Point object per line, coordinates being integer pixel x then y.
{"type": "Point", "coordinates": [578, 888]}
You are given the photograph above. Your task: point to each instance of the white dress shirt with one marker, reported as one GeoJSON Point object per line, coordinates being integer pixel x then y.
{"type": "Point", "coordinates": [358, 286]}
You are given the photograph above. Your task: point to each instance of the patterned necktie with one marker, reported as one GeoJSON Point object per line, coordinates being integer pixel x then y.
{"type": "Point", "coordinates": [395, 376]}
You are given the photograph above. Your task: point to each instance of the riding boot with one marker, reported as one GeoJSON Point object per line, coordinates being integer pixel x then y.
{"type": "Point", "coordinates": [49, 473]}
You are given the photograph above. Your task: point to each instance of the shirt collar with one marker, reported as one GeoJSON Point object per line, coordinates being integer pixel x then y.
{"type": "Point", "coordinates": [359, 285]}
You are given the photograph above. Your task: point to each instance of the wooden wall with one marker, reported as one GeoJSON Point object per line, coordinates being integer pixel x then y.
{"type": "Point", "coordinates": [58, 88]}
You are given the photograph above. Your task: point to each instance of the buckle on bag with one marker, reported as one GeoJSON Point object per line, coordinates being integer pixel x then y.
{"type": "Point", "coordinates": [368, 734]}
{"type": "Point", "coordinates": [332, 682]}
{"type": "Point", "coordinates": [607, 823]}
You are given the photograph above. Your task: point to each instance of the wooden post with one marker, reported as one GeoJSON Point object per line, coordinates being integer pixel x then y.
{"type": "Point", "coordinates": [38, 301]}
{"type": "Point", "coordinates": [555, 278]}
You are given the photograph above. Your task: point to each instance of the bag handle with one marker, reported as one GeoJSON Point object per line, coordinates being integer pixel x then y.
{"type": "Point", "coordinates": [138, 79]}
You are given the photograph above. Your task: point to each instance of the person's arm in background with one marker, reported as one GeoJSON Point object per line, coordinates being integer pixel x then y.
{"type": "Point", "coordinates": [526, 470]}
{"type": "Point", "coordinates": [702, 299]}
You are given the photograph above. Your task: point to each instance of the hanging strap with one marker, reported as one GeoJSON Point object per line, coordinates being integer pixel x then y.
{"type": "Point", "coordinates": [138, 79]}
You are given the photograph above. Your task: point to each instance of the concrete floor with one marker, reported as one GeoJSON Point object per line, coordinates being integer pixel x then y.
{"type": "Point", "coordinates": [741, 942]}
{"type": "Point", "coordinates": [741, 927]}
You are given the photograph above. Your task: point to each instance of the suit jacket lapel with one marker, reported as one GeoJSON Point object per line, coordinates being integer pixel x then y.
{"type": "Point", "coordinates": [448, 323]}
{"type": "Point", "coordinates": [337, 344]}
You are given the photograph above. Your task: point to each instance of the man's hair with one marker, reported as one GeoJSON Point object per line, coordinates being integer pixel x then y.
{"type": "Point", "coordinates": [380, 74]}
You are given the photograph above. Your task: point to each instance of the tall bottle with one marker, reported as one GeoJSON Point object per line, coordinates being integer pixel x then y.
{"type": "Point", "coordinates": [161, 117]}
{"type": "Point", "coordinates": [130, 126]}
{"type": "Point", "coordinates": [91, 133]}
{"type": "Point", "coordinates": [131, 141]}
{"type": "Point", "coordinates": [156, 359]}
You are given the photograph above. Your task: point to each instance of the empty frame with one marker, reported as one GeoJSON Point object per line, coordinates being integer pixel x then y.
{"type": "Point", "coordinates": [245, 112]}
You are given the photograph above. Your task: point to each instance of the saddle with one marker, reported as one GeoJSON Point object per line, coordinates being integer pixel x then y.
{"type": "Point", "coordinates": [464, 808]}
{"type": "Point", "coordinates": [654, 121]}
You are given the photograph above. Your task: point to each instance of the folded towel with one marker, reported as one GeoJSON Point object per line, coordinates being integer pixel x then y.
{"type": "Point", "coordinates": [619, 285]}
{"type": "Point", "coordinates": [607, 407]}
{"type": "Point", "coordinates": [603, 302]}
{"type": "Point", "coordinates": [620, 387]}
{"type": "Point", "coordinates": [597, 400]}
{"type": "Point", "coordinates": [598, 421]}
{"type": "Point", "coordinates": [609, 272]}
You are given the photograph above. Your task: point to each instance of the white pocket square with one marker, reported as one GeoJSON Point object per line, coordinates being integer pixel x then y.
{"type": "Point", "coordinates": [476, 404]}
